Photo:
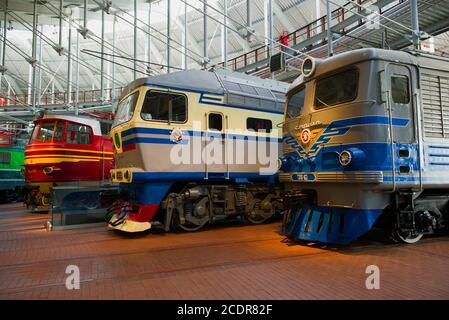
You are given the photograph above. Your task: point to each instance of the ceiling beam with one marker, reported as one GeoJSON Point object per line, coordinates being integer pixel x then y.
{"type": "Point", "coordinates": [282, 18]}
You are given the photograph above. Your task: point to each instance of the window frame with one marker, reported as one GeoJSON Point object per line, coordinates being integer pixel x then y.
{"type": "Point", "coordinates": [63, 137]}
{"type": "Point", "coordinates": [260, 131]}
{"type": "Point", "coordinates": [408, 88]}
{"type": "Point", "coordinates": [10, 142]}
{"type": "Point", "coordinates": [170, 113]}
{"type": "Point", "coordinates": [222, 121]}
{"type": "Point", "coordinates": [137, 91]}
{"type": "Point", "coordinates": [91, 135]}
{"type": "Point", "coordinates": [55, 121]}
{"type": "Point", "coordinates": [320, 78]}
{"type": "Point", "coordinates": [290, 94]}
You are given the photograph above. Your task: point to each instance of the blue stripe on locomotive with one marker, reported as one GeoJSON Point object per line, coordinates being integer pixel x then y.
{"type": "Point", "coordinates": [151, 187]}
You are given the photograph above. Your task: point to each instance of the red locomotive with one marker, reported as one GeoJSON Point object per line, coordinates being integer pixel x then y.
{"type": "Point", "coordinates": [66, 150]}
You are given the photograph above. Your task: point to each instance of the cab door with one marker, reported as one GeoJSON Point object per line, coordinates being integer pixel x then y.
{"type": "Point", "coordinates": [404, 146]}
{"type": "Point", "coordinates": [215, 146]}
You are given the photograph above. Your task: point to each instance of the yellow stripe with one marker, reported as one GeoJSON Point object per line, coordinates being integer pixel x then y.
{"type": "Point", "coordinates": [63, 149]}
{"type": "Point", "coordinates": [56, 160]}
{"type": "Point", "coordinates": [66, 156]}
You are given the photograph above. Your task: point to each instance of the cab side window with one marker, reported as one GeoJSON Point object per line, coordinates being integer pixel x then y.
{"type": "Point", "coordinates": [78, 134]}
{"type": "Point", "coordinates": [256, 124]}
{"type": "Point", "coordinates": [400, 89]}
{"type": "Point", "coordinates": [295, 103]}
{"type": "Point", "coordinates": [215, 121]}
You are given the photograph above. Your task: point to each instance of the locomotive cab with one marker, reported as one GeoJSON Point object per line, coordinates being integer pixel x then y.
{"type": "Point", "coordinates": [355, 148]}
{"type": "Point", "coordinates": [64, 150]}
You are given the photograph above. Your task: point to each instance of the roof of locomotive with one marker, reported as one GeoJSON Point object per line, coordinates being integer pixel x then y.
{"type": "Point", "coordinates": [238, 88]}
{"type": "Point", "coordinates": [91, 122]}
{"type": "Point", "coordinates": [348, 58]}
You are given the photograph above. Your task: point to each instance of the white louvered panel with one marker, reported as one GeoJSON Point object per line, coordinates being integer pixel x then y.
{"type": "Point", "coordinates": [435, 97]}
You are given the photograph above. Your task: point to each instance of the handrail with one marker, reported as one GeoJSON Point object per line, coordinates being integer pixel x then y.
{"type": "Point", "coordinates": [87, 96]}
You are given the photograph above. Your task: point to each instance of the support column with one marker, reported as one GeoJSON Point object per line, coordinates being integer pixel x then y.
{"type": "Point", "coordinates": [39, 79]}
{"type": "Point", "coordinates": [113, 60]}
{"type": "Point", "coordinates": [185, 38]}
{"type": "Point", "coordinates": [69, 64]}
{"type": "Point", "coordinates": [168, 36]}
{"type": "Point", "coordinates": [52, 92]}
{"type": "Point", "coordinates": [268, 13]}
{"type": "Point", "coordinates": [135, 40]}
{"type": "Point", "coordinates": [415, 24]}
{"type": "Point", "coordinates": [5, 28]}
{"type": "Point", "coordinates": [59, 48]}
{"type": "Point", "coordinates": [205, 57]}
{"type": "Point", "coordinates": [77, 72]}
{"type": "Point", "coordinates": [249, 21]}
{"type": "Point", "coordinates": [102, 58]}
{"type": "Point", "coordinates": [33, 56]}
{"type": "Point", "coordinates": [224, 34]}
{"type": "Point", "coordinates": [330, 48]}
{"type": "Point", "coordinates": [149, 40]}
{"type": "Point", "coordinates": [84, 30]}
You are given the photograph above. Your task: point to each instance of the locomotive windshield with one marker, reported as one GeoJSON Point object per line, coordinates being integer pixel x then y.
{"type": "Point", "coordinates": [162, 106]}
{"type": "Point", "coordinates": [295, 103]}
{"type": "Point", "coordinates": [125, 109]}
{"type": "Point", "coordinates": [336, 89]}
{"type": "Point", "coordinates": [46, 130]}
{"type": "Point", "coordinates": [5, 140]}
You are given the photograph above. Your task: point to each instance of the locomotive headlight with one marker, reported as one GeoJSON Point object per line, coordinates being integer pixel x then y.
{"type": "Point", "coordinates": [282, 163]}
{"type": "Point", "coordinates": [345, 158]}
{"type": "Point", "coordinates": [126, 175]}
{"type": "Point", "coordinates": [117, 142]}
{"type": "Point", "coordinates": [309, 65]}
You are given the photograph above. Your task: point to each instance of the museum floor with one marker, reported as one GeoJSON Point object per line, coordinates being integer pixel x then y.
{"type": "Point", "coordinates": [231, 261]}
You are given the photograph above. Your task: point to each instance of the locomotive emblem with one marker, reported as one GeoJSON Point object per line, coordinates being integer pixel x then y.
{"type": "Point", "coordinates": [319, 136]}
{"type": "Point", "coordinates": [177, 135]}
{"type": "Point", "coordinates": [305, 136]}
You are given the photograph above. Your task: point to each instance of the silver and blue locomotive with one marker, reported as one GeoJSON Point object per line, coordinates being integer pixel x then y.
{"type": "Point", "coordinates": [190, 148]}
{"type": "Point", "coordinates": [366, 144]}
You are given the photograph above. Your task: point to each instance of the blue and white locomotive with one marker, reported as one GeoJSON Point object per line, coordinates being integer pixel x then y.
{"type": "Point", "coordinates": [191, 148]}
{"type": "Point", "coordinates": [366, 143]}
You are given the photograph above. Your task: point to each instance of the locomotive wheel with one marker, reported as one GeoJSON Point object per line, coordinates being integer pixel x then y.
{"type": "Point", "coordinates": [192, 226]}
{"type": "Point", "coordinates": [199, 217]}
{"type": "Point", "coordinates": [44, 201]}
{"type": "Point", "coordinates": [259, 211]}
{"type": "Point", "coordinates": [408, 238]}
{"type": "Point", "coordinates": [90, 204]}
{"type": "Point", "coordinates": [414, 236]}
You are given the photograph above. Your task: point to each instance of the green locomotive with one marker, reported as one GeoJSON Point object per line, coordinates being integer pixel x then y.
{"type": "Point", "coordinates": [12, 150]}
